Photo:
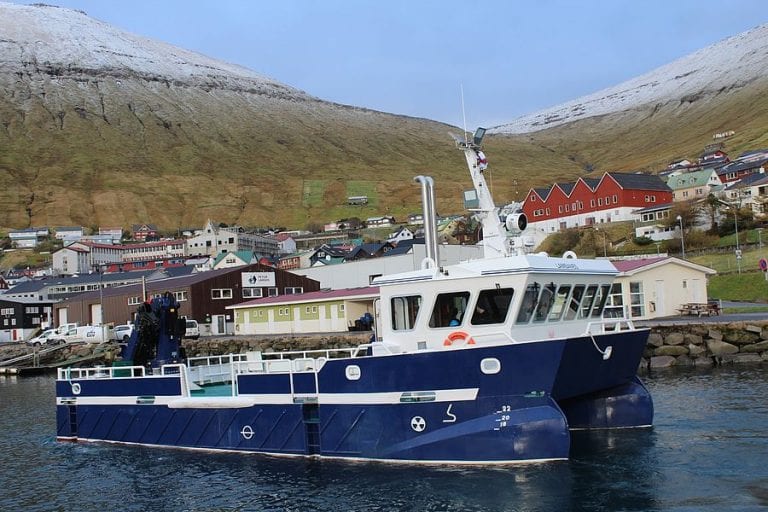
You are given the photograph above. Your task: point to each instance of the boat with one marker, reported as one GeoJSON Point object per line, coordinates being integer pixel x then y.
{"type": "Point", "coordinates": [488, 361]}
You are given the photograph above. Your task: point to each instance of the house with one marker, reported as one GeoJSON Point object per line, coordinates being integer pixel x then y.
{"type": "Point", "coordinates": [590, 201]}
{"type": "Point", "coordinates": [203, 296]}
{"type": "Point", "coordinates": [144, 232]}
{"type": "Point", "coordinates": [285, 243]}
{"type": "Point", "coordinates": [295, 260]}
{"type": "Point", "coordinates": [234, 259]}
{"type": "Point", "coordinates": [364, 251]}
{"type": "Point", "coordinates": [27, 238]}
{"type": "Point", "coordinates": [110, 235]}
{"type": "Point", "coordinates": [656, 287]}
{"type": "Point", "coordinates": [695, 185]}
{"type": "Point", "coordinates": [68, 234]}
{"type": "Point", "coordinates": [752, 163]}
{"type": "Point", "coordinates": [215, 239]}
{"type": "Point", "coordinates": [377, 222]}
{"type": "Point", "coordinates": [328, 255]}
{"type": "Point", "coordinates": [317, 311]}
{"type": "Point", "coordinates": [20, 319]}
{"type": "Point", "coordinates": [401, 234]}
{"type": "Point", "coordinates": [756, 196]}
{"type": "Point", "coordinates": [416, 219]}
{"type": "Point", "coordinates": [653, 222]}
{"type": "Point", "coordinates": [83, 257]}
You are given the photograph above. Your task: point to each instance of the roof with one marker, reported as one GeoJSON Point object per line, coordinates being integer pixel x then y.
{"type": "Point", "coordinates": [629, 267]}
{"type": "Point", "coordinates": [637, 181]}
{"type": "Point", "coordinates": [245, 256]}
{"type": "Point", "coordinates": [322, 295]}
{"type": "Point", "coordinates": [591, 182]}
{"type": "Point", "coordinates": [690, 179]}
{"type": "Point", "coordinates": [567, 187]}
{"type": "Point", "coordinates": [654, 208]}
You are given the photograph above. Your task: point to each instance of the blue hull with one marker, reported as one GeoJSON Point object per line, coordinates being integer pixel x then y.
{"type": "Point", "coordinates": [595, 392]}
{"type": "Point", "coordinates": [424, 407]}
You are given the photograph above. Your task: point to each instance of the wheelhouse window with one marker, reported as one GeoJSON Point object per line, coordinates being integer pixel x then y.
{"type": "Point", "coordinates": [600, 300]}
{"type": "Point", "coordinates": [404, 312]}
{"type": "Point", "coordinates": [588, 301]}
{"type": "Point", "coordinates": [492, 306]}
{"type": "Point", "coordinates": [560, 299]}
{"type": "Point", "coordinates": [530, 297]}
{"type": "Point", "coordinates": [546, 300]}
{"type": "Point", "coordinates": [449, 309]}
{"type": "Point", "coordinates": [575, 302]}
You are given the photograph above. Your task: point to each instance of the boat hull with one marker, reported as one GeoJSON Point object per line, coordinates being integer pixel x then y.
{"type": "Point", "coordinates": [443, 409]}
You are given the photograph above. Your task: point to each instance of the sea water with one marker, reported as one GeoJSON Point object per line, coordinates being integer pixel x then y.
{"type": "Point", "coordinates": [708, 451]}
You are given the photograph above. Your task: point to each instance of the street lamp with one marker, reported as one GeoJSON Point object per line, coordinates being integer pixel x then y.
{"type": "Point", "coordinates": [682, 234]}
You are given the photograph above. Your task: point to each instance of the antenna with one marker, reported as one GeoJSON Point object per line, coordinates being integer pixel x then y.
{"type": "Point", "coordinates": [463, 113]}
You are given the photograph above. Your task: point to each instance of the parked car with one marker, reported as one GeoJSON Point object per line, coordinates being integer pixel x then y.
{"type": "Point", "coordinates": [123, 332]}
{"type": "Point", "coordinates": [193, 330]}
{"type": "Point", "coordinates": [47, 337]}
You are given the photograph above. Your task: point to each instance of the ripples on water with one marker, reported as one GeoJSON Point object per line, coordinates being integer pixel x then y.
{"type": "Point", "coordinates": [708, 451]}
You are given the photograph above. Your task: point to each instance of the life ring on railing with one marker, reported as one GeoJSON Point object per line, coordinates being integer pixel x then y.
{"type": "Point", "coordinates": [458, 336]}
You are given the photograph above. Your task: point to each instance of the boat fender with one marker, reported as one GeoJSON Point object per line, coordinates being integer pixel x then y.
{"type": "Point", "coordinates": [458, 336]}
{"type": "Point", "coordinates": [569, 255]}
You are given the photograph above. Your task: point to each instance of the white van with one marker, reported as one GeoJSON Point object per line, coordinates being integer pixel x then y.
{"type": "Point", "coordinates": [47, 337]}
{"type": "Point", "coordinates": [193, 330]}
{"type": "Point", "coordinates": [85, 334]}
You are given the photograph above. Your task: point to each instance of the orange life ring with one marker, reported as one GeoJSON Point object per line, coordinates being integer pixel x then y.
{"type": "Point", "coordinates": [458, 336]}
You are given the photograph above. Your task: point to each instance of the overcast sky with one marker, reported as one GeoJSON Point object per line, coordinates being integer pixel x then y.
{"type": "Point", "coordinates": [413, 57]}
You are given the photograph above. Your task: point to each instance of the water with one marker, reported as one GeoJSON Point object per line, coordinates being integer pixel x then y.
{"type": "Point", "coordinates": [708, 451]}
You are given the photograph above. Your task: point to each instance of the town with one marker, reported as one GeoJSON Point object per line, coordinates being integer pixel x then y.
{"type": "Point", "coordinates": [235, 280]}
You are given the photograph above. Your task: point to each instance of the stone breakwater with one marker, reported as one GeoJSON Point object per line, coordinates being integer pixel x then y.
{"type": "Point", "coordinates": [674, 345]}
{"type": "Point", "coordinates": [706, 344]}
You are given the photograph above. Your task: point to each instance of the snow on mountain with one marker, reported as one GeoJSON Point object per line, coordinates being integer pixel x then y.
{"type": "Point", "coordinates": [69, 41]}
{"type": "Point", "coordinates": [728, 64]}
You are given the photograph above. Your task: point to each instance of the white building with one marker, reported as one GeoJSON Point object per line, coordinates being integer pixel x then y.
{"type": "Point", "coordinates": [214, 240]}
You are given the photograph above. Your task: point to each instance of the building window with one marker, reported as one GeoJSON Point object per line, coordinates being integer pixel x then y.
{"type": "Point", "coordinates": [134, 301]}
{"type": "Point", "coordinates": [599, 201]}
{"type": "Point", "coordinates": [252, 293]}
{"type": "Point", "coordinates": [341, 308]}
{"type": "Point", "coordinates": [560, 209]}
{"type": "Point", "coordinates": [615, 199]}
{"type": "Point", "coordinates": [31, 310]}
{"type": "Point", "coordinates": [592, 203]}
{"type": "Point", "coordinates": [272, 292]}
{"type": "Point", "coordinates": [636, 299]}
{"type": "Point", "coordinates": [221, 293]}
{"type": "Point", "coordinates": [293, 290]}
{"type": "Point", "coordinates": [180, 296]}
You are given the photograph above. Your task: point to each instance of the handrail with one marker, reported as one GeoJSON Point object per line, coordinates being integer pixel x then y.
{"type": "Point", "coordinates": [605, 322]}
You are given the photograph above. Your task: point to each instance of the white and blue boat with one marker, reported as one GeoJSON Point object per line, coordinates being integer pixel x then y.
{"type": "Point", "coordinates": [491, 361]}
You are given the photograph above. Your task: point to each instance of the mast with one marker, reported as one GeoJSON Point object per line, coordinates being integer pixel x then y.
{"type": "Point", "coordinates": [495, 241]}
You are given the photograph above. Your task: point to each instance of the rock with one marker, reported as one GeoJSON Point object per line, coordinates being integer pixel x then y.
{"type": "Point", "coordinates": [715, 334]}
{"type": "Point", "coordinates": [662, 362]}
{"type": "Point", "coordinates": [753, 328]}
{"type": "Point", "coordinates": [696, 350]}
{"type": "Point", "coordinates": [740, 337]}
{"type": "Point", "coordinates": [671, 350]}
{"type": "Point", "coordinates": [755, 347]}
{"type": "Point", "coordinates": [684, 361]}
{"type": "Point", "coordinates": [764, 334]}
{"type": "Point", "coordinates": [655, 339]}
{"type": "Point", "coordinates": [694, 339]}
{"type": "Point", "coordinates": [742, 358]}
{"type": "Point", "coordinates": [721, 348]}
{"type": "Point", "coordinates": [674, 338]}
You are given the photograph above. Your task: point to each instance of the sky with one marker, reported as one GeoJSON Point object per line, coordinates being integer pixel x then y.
{"type": "Point", "coordinates": [415, 57]}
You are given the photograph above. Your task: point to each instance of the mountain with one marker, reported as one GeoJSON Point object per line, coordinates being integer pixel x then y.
{"type": "Point", "coordinates": [102, 127]}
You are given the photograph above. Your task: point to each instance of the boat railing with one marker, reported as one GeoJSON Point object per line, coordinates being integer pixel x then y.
{"type": "Point", "coordinates": [607, 325]}
{"type": "Point", "coordinates": [101, 372]}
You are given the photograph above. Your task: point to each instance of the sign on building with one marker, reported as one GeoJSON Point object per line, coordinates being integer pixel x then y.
{"type": "Point", "coordinates": [257, 279]}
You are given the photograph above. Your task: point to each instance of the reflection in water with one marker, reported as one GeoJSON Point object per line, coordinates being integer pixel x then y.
{"type": "Point", "coordinates": [705, 453]}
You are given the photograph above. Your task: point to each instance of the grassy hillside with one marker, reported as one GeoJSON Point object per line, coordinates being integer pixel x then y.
{"type": "Point", "coordinates": [95, 153]}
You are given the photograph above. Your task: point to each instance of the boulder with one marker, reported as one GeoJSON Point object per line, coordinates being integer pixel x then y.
{"type": "Point", "coordinates": [662, 361]}
{"type": "Point", "coordinates": [655, 339]}
{"type": "Point", "coordinates": [671, 350]}
{"type": "Point", "coordinates": [740, 337]}
{"type": "Point", "coordinates": [674, 338]}
{"type": "Point", "coordinates": [694, 339]}
{"type": "Point", "coordinates": [755, 347]}
{"type": "Point", "coordinates": [721, 348]}
{"type": "Point", "coordinates": [715, 334]}
{"type": "Point", "coordinates": [696, 350]}
{"type": "Point", "coordinates": [684, 361]}
{"type": "Point", "coordinates": [753, 328]}
{"type": "Point", "coordinates": [742, 358]}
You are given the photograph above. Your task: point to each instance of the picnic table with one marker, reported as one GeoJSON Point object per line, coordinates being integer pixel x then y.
{"type": "Point", "coordinates": [699, 308]}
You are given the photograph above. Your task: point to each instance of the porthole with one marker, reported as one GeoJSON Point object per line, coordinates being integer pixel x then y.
{"type": "Point", "coordinates": [490, 365]}
{"type": "Point", "coordinates": [353, 372]}
{"type": "Point", "coordinates": [75, 388]}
